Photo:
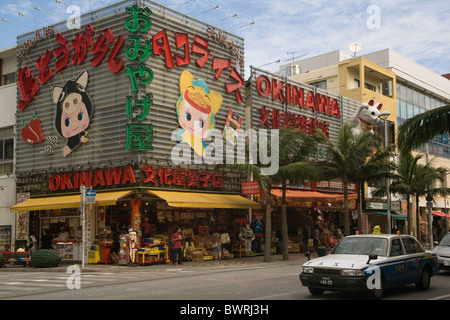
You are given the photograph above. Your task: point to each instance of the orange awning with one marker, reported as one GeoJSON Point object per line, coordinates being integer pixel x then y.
{"type": "Point", "coordinates": [313, 196]}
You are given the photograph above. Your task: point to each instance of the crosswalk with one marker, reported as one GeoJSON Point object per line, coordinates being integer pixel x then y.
{"type": "Point", "coordinates": [14, 284]}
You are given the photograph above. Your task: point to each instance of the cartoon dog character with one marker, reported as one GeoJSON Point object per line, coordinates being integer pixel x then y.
{"type": "Point", "coordinates": [365, 117]}
{"type": "Point", "coordinates": [197, 107]}
{"type": "Point", "coordinates": [74, 112]}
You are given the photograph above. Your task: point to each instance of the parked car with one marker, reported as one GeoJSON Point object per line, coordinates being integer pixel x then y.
{"type": "Point", "coordinates": [442, 250]}
{"type": "Point", "coordinates": [370, 263]}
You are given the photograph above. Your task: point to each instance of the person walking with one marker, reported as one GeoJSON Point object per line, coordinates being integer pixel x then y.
{"type": "Point", "coordinates": [316, 237]}
{"type": "Point", "coordinates": [305, 237]}
{"type": "Point", "coordinates": [176, 240]}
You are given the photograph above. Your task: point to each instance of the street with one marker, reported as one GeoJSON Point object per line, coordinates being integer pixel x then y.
{"type": "Point", "coordinates": [229, 280]}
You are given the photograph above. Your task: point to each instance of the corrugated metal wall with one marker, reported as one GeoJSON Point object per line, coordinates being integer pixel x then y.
{"type": "Point", "coordinates": [109, 90]}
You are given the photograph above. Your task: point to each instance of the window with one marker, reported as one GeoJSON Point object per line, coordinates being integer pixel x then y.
{"type": "Point", "coordinates": [370, 87]}
{"type": "Point", "coordinates": [321, 84]}
{"type": "Point", "coordinates": [357, 83]}
{"type": "Point", "coordinates": [9, 78]}
{"type": "Point", "coordinates": [396, 248]}
{"type": "Point", "coordinates": [6, 150]}
{"type": "Point", "coordinates": [411, 246]}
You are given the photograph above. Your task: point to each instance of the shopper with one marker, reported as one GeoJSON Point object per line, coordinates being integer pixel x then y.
{"type": "Point", "coordinates": [217, 246]}
{"type": "Point", "coordinates": [305, 237]}
{"type": "Point", "coordinates": [176, 241]}
{"type": "Point", "coordinates": [316, 237]}
{"type": "Point", "coordinates": [258, 236]}
{"type": "Point", "coordinates": [248, 236]}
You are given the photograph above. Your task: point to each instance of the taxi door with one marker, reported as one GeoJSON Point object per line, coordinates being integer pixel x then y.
{"type": "Point", "coordinates": [397, 264]}
{"type": "Point", "coordinates": [414, 259]}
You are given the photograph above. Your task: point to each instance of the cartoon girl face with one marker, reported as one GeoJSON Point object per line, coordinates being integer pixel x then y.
{"type": "Point", "coordinates": [192, 119]}
{"type": "Point", "coordinates": [75, 117]}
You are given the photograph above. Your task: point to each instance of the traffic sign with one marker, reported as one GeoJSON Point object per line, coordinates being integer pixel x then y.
{"type": "Point", "coordinates": [90, 196]}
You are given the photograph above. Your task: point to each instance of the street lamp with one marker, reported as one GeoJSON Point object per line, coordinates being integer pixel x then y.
{"type": "Point", "coordinates": [385, 115]}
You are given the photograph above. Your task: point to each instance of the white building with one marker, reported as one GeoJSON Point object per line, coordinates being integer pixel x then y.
{"type": "Point", "coordinates": [8, 91]}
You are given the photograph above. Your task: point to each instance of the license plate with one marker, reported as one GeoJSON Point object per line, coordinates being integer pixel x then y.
{"type": "Point", "coordinates": [326, 281]}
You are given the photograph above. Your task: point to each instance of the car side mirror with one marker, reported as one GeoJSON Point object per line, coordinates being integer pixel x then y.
{"type": "Point", "coordinates": [372, 257]}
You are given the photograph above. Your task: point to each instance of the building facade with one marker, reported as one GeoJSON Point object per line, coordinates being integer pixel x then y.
{"type": "Point", "coordinates": [131, 106]}
{"type": "Point", "coordinates": [403, 86]}
{"type": "Point", "coordinates": [8, 90]}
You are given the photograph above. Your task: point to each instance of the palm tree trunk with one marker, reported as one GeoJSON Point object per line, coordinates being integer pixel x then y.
{"type": "Point", "coordinates": [284, 228]}
{"type": "Point", "coordinates": [268, 233]}
{"type": "Point", "coordinates": [268, 230]}
{"type": "Point", "coordinates": [346, 211]}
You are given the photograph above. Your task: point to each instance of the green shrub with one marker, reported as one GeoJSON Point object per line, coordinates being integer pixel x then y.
{"type": "Point", "coordinates": [45, 259]}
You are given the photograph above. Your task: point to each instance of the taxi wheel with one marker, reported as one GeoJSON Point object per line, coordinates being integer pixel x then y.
{"type": "Point", "coordinates": [377, 294]}
{"type": "Point", "coordinates": [316, 291]}
{"type": "Point", "coordinates": [424, 282]}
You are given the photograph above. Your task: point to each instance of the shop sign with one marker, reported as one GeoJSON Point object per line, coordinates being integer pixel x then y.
{"type": "Point", "coordinates": [291, 94]}
{"type": "Point", "coordinates": [250, 188]}
{"type": "Point", "coordinates": [22, 218]}
{"type": "Point", "coordinates": [29, 86]}
{"type": "Point", "coordinates": [139, 136]}
{"type": "Point", "coordinates": [288, 93]}
{"type": "Point", "coordinates": [151, 176]}
{"type": "Point", "coordinates": [180, 177]}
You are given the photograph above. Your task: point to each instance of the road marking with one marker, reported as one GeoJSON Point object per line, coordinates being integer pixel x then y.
{"type": "Point", "coordinates": [444, 297]}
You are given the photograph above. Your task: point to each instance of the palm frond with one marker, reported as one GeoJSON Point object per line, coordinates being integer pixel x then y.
{"type": "Point", "coordinates": [423, 127]}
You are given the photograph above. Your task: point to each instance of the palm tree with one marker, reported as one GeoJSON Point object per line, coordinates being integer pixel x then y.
{"type": "Point", "coordinates": [296, 148]}
{"type": "Point", "coordinates": [346, 157]}
{"type": "Point", "coordinates": [423, 127]}
{"type": "Point", "coordinates": [293, 152]}
{"type": "Point", "coordinates": [413, 178]}
{"type": "Point", "coordinates": [377, 168]}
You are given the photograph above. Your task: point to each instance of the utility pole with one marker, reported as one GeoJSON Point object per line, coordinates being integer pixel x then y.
{"type": "Point", "coordinates": [83, 221]}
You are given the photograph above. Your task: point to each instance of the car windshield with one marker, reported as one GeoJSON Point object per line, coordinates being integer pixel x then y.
{"type": "Point", "coordinates": [362, 245]}
{"type": "Point", "coordinates": [445, 240]}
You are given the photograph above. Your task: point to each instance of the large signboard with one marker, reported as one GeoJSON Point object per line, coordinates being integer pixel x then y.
{"type": "Point", "coordinates": [126, 88]}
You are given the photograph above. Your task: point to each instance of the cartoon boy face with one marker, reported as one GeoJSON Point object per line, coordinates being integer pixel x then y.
{"type": "Point", "coordinates": [74, 112]}
{"type": "Point", "coordinates": [191, 118]}
{"type": "Point", "coordinates": [75, 117]}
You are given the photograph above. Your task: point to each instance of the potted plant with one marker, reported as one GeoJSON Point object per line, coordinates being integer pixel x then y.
{"type": "Point", "coordinates": [321, 250]}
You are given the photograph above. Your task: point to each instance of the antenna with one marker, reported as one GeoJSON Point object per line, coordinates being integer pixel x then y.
{"type": "Point", "coordinates": [295, 57]}
{"type": "Point", "coordinates": [355, 47]}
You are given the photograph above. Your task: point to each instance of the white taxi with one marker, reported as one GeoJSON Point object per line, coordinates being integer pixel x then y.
{"type": "Point", "coordinates": [370, 263]}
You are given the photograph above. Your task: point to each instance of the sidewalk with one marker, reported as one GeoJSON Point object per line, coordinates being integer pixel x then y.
{"type": "Point", "coordinates": [294, 258]}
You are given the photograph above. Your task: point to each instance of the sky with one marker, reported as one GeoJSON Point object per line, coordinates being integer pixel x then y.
{"type": "Point", "coordinates": [279, 30]}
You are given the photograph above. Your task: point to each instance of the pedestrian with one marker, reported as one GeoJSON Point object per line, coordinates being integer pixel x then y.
{"type": "Point", "coordinates": [316, 237]}
{"type": "Point", "coordinates": [217, 246]}
{"type": "Point", "coordinates": [256, 247]}
{"type": "Point", "coordinates": [176, 240]}
{"type": "Point", "coordinates": [248, 236]}
{"type": "Point", "coordinates": [305, 238]}
{"type": "Point", "coordinates": [46, 240]}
